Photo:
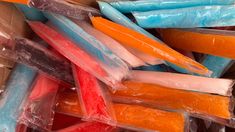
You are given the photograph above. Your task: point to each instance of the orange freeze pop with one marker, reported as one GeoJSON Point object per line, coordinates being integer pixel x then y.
{"type": "Point", "coordinates": [208, 43]}
{"type": "Point", "coordinates": [129, 115]}
{"type": "Point", "coordinates": [25, 2]}
{"type": "Point", "coordinates": [192, 102]}
{"type": "Point", "coordinates": [147, 45]}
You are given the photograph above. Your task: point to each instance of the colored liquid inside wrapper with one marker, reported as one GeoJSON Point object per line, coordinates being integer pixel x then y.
{"type": "Point", "coordinates": [208, 41]}
{"type": "Point", "coordinates": [147, 45]}
{"type": "Point", "coordinates": [129, 116]}
{"type": "Point", "coordinates": [25, 2]}
{"type": "Point", "coordinates": [163, 97]}
{"type": "Point", "coordinates": [37, 109]}
{"type": "Point", "coordinates": [95, 104]}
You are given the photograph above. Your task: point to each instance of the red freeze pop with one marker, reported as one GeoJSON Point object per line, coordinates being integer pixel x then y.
{"type": "Point", "coordinates": [89, 127]}
{"type": "Point", "coordinates": [67, 48]}
{"type": "Point", "coordinates": [95, 104]}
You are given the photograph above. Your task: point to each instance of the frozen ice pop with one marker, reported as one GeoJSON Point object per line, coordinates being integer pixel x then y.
{"type": "Point", "coordinates": [130, 116]}
{"type": "Point", "coordinates": [147, 45]}
{"type": "Point", "coordinates": [16, 90]}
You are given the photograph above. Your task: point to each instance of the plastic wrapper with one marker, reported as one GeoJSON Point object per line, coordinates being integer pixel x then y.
{"type": "Point", "coordinates": [4, 72]}
{"type": "Point", "coordinates": [65, 8]}
{"type": "Point", "coordinates": [31, 13]}
{"type": "Point", "coordinates": [147, 45]}
{"type": "Point", "coordinates": [95, 103]}
{"type": "Point", "coordinates": [77, 55]}
{"type": "Point", "coordinates": [29, 53]}
{"type": "Point", "coordinates": [149, 5]}
{"type": "Point", "coordinates": [133, 117]}
{"type": "Point", "coordinates": [37, 109]}
{"type": "Point", "coordinates": [208, 41]}
{"type": "Point", "coordinates": [185, 82]}
{"type": "Point", "coordinates": [115, 67]}
{"type": "Point", "coordinates": [162, 68]}
{"type": "Point", "coordinates": [199, 16]}
{"type": "Point", "coordinates": [16, 89]}
{"type": "Point", "coordinates": [89, 127]}
{"type": "Point", "coordinates": [217, 64]}
{"type": "Point", "coordinates": [197, 104]}
{"type": "Point", "coordinates": [112, 44]}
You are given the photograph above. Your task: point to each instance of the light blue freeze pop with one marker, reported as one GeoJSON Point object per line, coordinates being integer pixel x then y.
{"type": "Point", "coordinates": [148, 5]}
{"type": "Point", "coordinates": [217, 64]}
{"type": "Point", "coordinates": [85, 41]}
{"type": "Point", "coordinates": [114, 15]}
{"type": "Point", "coordinates": [200, 16]}
{"type": "Point", "coordinates": [17, 89]}
{"type": "Point", "coordinates": [31, 13]}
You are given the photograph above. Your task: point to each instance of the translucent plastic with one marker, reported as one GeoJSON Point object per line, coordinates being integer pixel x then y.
{"type": "Point", "coordinates": [217, 64]}
{"type": "Point", "coordinates": [112, 44]}
{"type": "Point", "coordinates": [199, 104]}
{"type": "Point", "coordinates": [118, 17]}
{"type": "Point", "coordinates": [17, 1]}
{"type": "Point", "coordinates": [185, 82]}
{"type": "Point", "coordinates": [147, 45]}
{"type": "Point", "coordinates": [89, 127]}
{"type": "Point", "coordinates": [208, 41]}
{"type": "Point", "coordinates": [39, 58]}
{"type": "Point", "coordinates": [38, 109]}
{"type": "Point", "coordinates": [78, 56]}
{"type": "Point", "coordinates": [96, 105]}
{"type": "Point", "coordinates": [115, 67]}
{"type": "Point", "coordinates": [31, 13]}
{"type": "Point", "coordinates": [16, 90]}
{"type": "Point", "coordinates": [130, 116]}
{"type": "Point", "coordinates": [199, 16]}
{"type": "Point", "coordinates": [149, 5]}
{"type": "Point", "coordinates": [64, 8]}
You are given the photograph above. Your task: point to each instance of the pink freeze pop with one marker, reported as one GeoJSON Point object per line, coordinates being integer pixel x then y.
{"type": "Point", "coordinates": [67, 48]}
{"type": "Point", "coordinates": [95, 104]}
{"type": "Point", "coordinates": [185, 82]}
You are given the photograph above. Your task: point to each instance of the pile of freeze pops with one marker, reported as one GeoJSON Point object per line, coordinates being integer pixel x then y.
{"type": "Point", "coordinates": [117, 65]}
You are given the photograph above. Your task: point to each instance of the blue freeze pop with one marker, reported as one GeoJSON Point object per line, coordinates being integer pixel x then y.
{"type": "Point", "coordinates": [217, 64]}
{"type": "Point", "coordinates": [17, 89]}
{"type": "Point", "coordinates": [114, 15]}
{"type": "Point", "coordinates": [200, 16]}
{"type": "Point", "coordinates": [148, 5]}
{"type": "Point", "coordinates": [31, 13]}
{"type": "Point", "coordinates": [86, 41]}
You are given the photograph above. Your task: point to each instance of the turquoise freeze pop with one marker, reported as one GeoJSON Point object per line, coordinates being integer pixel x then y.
{"type": "Point", "coordinates": [217, 64]}
{"type": "Point", "coordinates": [191, 17]}
{"type": "Point", "coordinates": [31, 13]}
{"type": "Point", "coordinates": [17, 88]}
{"type": "Point", "coordinates": [114, 15]}
{"type": "Point", "coordinates": [148, 5]}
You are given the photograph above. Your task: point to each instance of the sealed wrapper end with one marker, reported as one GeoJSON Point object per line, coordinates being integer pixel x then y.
{"type": "Point", "coordinates": [173, 99]}
{"type": "Point", "coordinates": [208, 41]}
{"type": "Point", "coordinates": [112, 44]}
{"type": "Point", "coordinates": [38, 109]}
{"type": "Point", "coordinates": [30, 53]}
{"type": "Point", "coordinates": [129, 6]}
{"type": "Point", "coordinates": [116, 68]}
{"type": "Point", "coordinates": [17, 87]}
{"type": "Point", "coordinates": [133, 117]}
{"type": "Point", "coordinates": [65, 8]}
{"type": "Point", "coordinates": [190, 17]}
{"type": "Point", "coordinates": [74, 53]}
{"type": "Point", "coordinates": [90, 127]}
{"type": "Point", "coordinates": [95, 103]}
{"type": "Point", "coordinates": [147, 45]}
{"type": "Point", "coordinates": [185, 82]}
